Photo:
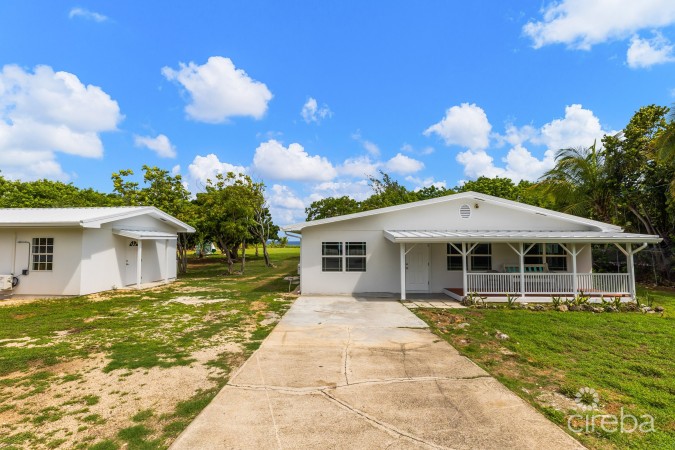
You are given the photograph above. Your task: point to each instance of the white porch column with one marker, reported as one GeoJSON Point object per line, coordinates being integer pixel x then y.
{"type": "Point", "coordinates": [631, 269]}
{"type": "Point", "coordinates": [138, 263]}
{"type": "Point", "coordinates": [521, 254]}
{"type": "Point", "coordinates": [465, 279]}
{"type": "Point", "coordinates": [575, 280]}
{"type": "Point", "coordinates": [402, 253]}
{"type": "Point", "coordinates": [166, 260]}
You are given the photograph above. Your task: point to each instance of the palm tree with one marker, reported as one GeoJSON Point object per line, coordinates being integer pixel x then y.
{"type": "Point", "coordinates": [579, 182]}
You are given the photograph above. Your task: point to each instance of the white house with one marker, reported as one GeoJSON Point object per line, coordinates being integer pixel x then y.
{"type": "Point", "coordinates": [77, 251]}
{"type": "Point", "coordinates": [460, 244]}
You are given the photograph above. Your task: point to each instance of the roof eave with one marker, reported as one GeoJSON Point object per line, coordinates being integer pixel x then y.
{"type": "Point", "coordinates": [531, 240]}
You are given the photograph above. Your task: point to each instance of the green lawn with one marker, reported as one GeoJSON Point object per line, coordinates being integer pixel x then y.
{"type": "Point", "coordinates": [628, 358]}
{"type": "Point", "coordinates": [55, 355]}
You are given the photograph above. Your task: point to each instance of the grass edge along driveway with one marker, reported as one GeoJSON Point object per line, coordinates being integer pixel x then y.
{"type": "Point", "coordinates": [628, 358]}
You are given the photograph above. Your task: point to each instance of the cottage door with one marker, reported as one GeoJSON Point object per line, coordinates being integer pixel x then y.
{"type": "Point", "coordinates": [417, 269]}
{"type": "Point", "coordinates": [131, 263]}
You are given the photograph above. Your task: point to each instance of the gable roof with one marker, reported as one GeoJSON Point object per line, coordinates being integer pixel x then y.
{"type": "Point", "coordinates": [83, 217]}
{"type": "Point", "coordinates": [602, 226]}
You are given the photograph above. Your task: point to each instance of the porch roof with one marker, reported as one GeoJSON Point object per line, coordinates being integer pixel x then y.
{"type": "Point", "coordinates": [143, 234]}
{"type": "Point", "coordinates": [430, 236]}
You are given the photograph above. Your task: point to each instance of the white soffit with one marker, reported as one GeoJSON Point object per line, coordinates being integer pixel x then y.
{"type": "Point", "coordinates": [144, 235]}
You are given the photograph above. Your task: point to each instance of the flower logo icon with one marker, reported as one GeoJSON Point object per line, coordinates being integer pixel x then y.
{"type": "Point", "coordinates": [587, 399]}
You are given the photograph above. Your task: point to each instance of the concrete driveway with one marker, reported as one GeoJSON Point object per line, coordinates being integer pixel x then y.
{"type": "Point", "coordinates": [343, 372]}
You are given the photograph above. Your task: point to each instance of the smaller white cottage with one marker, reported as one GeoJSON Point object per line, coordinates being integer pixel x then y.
{"type": "Point", "coordinates": [462, 244]}
{"type": "Point", "coordinates": [78, 251]}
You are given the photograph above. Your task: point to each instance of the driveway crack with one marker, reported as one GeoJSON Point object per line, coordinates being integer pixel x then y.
{"type": "Point", "coordinates": [345, 356]}
{"type": "Point", "coordinates": [393, 431]}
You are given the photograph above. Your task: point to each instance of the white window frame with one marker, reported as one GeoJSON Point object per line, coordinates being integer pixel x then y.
{"type": "Point", "coordinates": [339, 256]}
{"type": "Point", "coordinates": [472, 255]}
{"type": "Point", "coordinates": [349, 257]}
{"type": "Point", "coordinates": [544, 257]}
{"type": "Point", "coordinates": [449, 249]}
{"type": "Point", "coordinates": [42, 254]}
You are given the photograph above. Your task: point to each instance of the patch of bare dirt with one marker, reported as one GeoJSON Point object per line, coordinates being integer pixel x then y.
{"type": "Point", "coordinates": [557, 401]}
{"type": "Point", "coordinates": [118, 395]}
{"type": "Point", "coordinates": [187, 300]}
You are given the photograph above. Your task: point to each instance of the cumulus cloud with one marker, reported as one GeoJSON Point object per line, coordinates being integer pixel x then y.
{"type": "Point", "coordinates": [44, 113]}
{"type": "Point", "coordinates": [358, 190]}
{"type": "Point", "coordinates": [465, 125]}
{"type": "Point", "coordinates": [369, 146]}
{"type": "Point", "coordinates": [423, 151]}
{"type": "Point", "coordinates": [218, 90]}
{"type": "Point", "coordinates": [161, 145]}
{"type": "Point", "coordinates": [583, 23]}
{"type": "Point", "coordinates": [207, 167]}
{"type": "Point", "coordinates": [361, 166]}
{"type": "Point", "coordinates": [644, 53]}
{"type": "Point", "coordinates": [402, 164]}
{"type": "Point", "coordinates": [274, 161]}
{"type": "Point", "coordinates": [312, 113]}
{"type": "Point", "coordinates": [579, 127]}
{"type": "Point", "coordinates": [421, 183]}
{"type": "Point", "coordinates": [83, 13]}
{"type": "Point", "coordinates": [285, 206]}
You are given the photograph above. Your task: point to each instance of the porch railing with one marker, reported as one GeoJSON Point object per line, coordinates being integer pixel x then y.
{"type": "Point", "coordinates": [548, 283]}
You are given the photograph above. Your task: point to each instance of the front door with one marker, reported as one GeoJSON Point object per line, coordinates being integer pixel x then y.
{"type": "Point", "coordinates": [132, 261]}
{"type": "Point", "coordinates": [417, 269]}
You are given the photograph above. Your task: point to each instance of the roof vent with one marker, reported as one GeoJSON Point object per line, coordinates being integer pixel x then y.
{"type": "Point", "coordinates": [465, 211]}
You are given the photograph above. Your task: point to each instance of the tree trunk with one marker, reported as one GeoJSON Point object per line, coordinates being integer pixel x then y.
{"type": "Point", "coordinates": [181, 251]}
{"type": "Point", "coordinates": [256, 250]}
{"type": "Point", "coordinates": [243, 257]}
{"type": "Point", "coordinates": [266, 254]}
{"type": "Point", "coordinates": [228, 255]}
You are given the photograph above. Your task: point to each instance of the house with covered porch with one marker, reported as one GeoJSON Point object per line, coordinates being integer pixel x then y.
{"type": "Point", "coordinates": [461, 244]}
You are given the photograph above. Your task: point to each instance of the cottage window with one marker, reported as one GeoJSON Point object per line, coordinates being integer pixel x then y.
{"type": "Point", "coordinates": [454, 256]}
{"type": "Point", "coordinates": [481, 257]}
{"type": "Point", "coordinates": [42, 254]}
{"type": "Point", "coordinates": [355, 256]}
{"type": "Point", "coordinates": [332, 256]}
{"type": "Point", "coordinates": [553, 255]}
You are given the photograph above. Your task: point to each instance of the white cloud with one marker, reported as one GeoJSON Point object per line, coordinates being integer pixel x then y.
{"type": "Point", "coordinates": [207, 167]}
{"type": "Point", "coordinates": [358, 190]}
{"type": "Point", "coordinates": [86, 14]}
{"type": "Point", "coordinates": [583, 23]}
{"type": "Point", "coordinates": [274, 161]}
{"type": "Point", "coordinates": [312, 113]}
{"type": "Point", "coordinates": [402, 164]}
{"type": "Point", "coordinates": [285, 206]}
{"type": "Point", "coordinates": [644, 53]}
{"type": "Point", "coordinates": [421, 183]}
{"type": "Point", "coordinates": [410, 149]}
{"type": "Point", "coordinates": [46, 112]}
{"type": "Point", "coordinates": [370, 146]}
{"type": "Point", "coordinates": [579, 127]}
{"type": "Point", "coordinates": [161, 145]}
{"type": "Point", "coordinates": [465, 125]}
{"type": "Point", "coordinates": [218, 90]}
{"type": "Point", "coordinates": [358, 167]}
{"type": "Point", "coordinates": [175, 170]}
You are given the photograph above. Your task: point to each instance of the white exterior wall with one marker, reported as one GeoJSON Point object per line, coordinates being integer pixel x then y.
{"type": "Point", "coordinates": [383, 257]}
{"type": "Point", "coordinates": [64, 279]}
{"type": "Point", "coordinates": [86, 260]}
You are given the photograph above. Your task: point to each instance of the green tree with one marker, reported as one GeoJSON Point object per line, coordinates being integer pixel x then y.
{"type": "Point", "coordinates": [226, 211]}
{"type": "Point", "coordinates": [163, 191]}
{"type": "Point", "coordinates": [497, 186]}
{"type": "Point", "coordinates": [387, 192]}
{"type": "Point", "coordinates": [579, 183]}
{"type": "Point", "coordinates": [331, 207]}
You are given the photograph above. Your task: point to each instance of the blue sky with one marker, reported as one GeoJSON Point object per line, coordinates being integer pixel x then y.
{"type": "Point", "coordinates": [311, 97]}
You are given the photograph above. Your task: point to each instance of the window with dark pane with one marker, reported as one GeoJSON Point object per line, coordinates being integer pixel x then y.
{"type": "Point", "coordinates": [535, 255]}
{"type": "Point", "coordinates": [481, 257]}
{"type": "Point", "coordinates": [332, 256]}
{"type": "Point", "coordinates": [454, 258]}
{"type": "Point", "coordinates": [355, 256]}
{"type": "Point", "coordinates": [42, 254]}
{"type": "Point", "coordinates": [556, 258]}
